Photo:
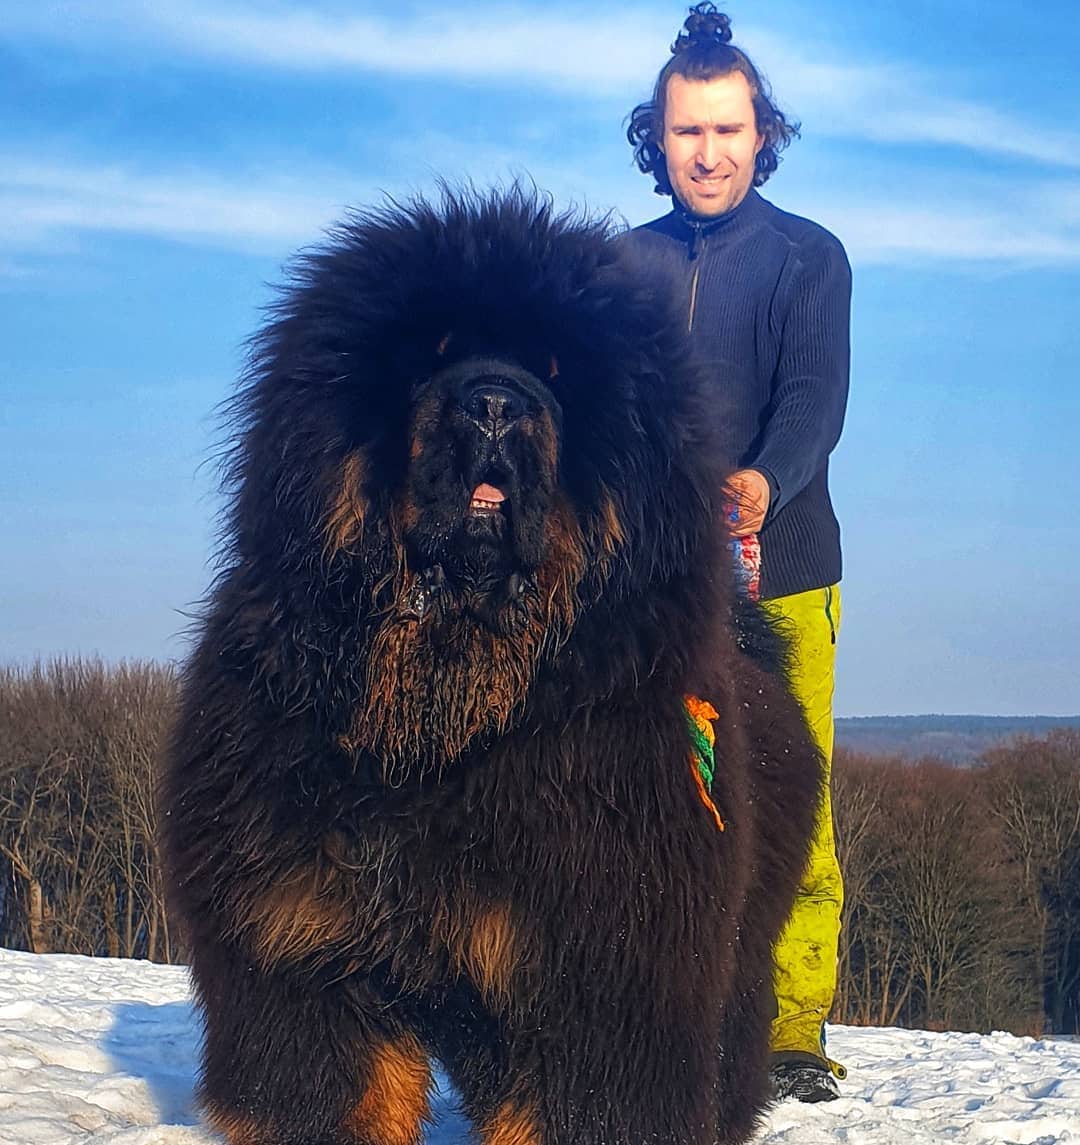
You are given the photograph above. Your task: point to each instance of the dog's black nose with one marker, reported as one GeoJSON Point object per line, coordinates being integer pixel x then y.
{"type": "Point", "coordinates": [494, 405]}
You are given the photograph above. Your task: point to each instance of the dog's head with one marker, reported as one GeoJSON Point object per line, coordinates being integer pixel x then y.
{"type": "Point", "coordinates": [470, 429]}
{"type": "Point", "coordinates": [481, 497]}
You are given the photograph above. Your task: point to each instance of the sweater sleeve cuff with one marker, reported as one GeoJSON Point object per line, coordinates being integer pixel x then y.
{"type": "Point", "coordinates": [774, 488]}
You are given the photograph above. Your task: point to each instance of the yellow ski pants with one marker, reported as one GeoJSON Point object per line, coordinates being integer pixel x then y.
{"type": "Point", "coordinates": [805, 956]}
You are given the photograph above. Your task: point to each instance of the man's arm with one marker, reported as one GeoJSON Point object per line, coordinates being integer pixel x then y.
{"type": "Point", "coordinates": [811, 382]}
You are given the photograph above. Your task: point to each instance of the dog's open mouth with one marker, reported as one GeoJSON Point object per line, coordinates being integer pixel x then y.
{"type": "Point", "coordinates": [488, 515]}
{"type": "Point", "coordinates": [487, 499]}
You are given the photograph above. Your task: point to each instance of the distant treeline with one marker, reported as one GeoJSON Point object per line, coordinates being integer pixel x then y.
{"type": "Point", "coordinates": [79, 744]}
{"type": "Point", "coordinates": [956, 739]}
{"type": "Point", "coordinates": [962, 889]}
{"type": "Point", "coordinates": [962, 902]}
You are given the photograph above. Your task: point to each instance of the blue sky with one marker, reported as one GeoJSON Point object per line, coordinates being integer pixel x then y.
{"type": "Point", "coordinates": [160, 160]}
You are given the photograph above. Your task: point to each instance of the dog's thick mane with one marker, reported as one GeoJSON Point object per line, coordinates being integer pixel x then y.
{"type": "Point", "coordinates": [317, 472]}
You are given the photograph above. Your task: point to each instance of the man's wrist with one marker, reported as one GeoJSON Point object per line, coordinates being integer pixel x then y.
{"type": "Point", "coordinates": [774, 486]}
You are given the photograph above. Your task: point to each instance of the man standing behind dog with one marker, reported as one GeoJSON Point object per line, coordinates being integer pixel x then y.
{"type": "Point", "coordinates": [768, 298]}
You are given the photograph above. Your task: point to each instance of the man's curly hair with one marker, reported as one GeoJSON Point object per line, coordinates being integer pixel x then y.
{"type": "Point", "coordinates": [703, 51]}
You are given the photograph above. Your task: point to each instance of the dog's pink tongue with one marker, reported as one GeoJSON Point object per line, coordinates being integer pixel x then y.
{"type": "Point", "coordinates": [488, 493]}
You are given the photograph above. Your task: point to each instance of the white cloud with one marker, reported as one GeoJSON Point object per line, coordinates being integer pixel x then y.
{"type": "Point", "coordinates": [918, 215]}
{"type": "Point", "coordinates": [41, 200]}
{"type": "Point", "coordinates": [885, 233]}
{"type": "Point", "coordinates": [591, 52]}
{"type": "Point", "coordinates": [48, 205]}
{"type": "Point", "coordinates": [889, 104]}
{"type": "Point", "coordinates": [605, 51]}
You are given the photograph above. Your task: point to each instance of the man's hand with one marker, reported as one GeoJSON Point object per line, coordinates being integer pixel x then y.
{"type": "Point", "coordinates": [749, 490]}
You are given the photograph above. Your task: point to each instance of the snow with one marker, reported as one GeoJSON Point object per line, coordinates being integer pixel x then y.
{"type": "Point", "coordinates": [104, 1052]}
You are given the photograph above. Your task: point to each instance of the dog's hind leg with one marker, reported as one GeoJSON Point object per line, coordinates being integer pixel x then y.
{"type": "Point", "coordinates": [576, 1082]}
{"type": "Point", "coordinates": [289, 1063]}
{"type": "Point", "coordinates": [744, 1050]}
{"type": "Point", "coordinates": [396, 1084]}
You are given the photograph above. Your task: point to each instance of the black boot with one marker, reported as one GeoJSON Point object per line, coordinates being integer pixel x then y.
{"type": "Point", "coordinates": [801, 1077]}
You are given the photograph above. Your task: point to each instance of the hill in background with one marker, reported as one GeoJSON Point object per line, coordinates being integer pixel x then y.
{"type": "Point", "coordinates": [959, 739]}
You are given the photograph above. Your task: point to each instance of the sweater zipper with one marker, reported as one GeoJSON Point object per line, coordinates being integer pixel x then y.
{"type": "Point", "coordinates": [697, 246]}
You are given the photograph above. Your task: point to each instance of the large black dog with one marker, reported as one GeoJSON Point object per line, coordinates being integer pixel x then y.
{"type": "Point", "coordinates": [432, 790]}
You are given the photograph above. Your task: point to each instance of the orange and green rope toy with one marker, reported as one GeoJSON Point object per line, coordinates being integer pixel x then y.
{"type": "Point", "coordinates": [699, 717]}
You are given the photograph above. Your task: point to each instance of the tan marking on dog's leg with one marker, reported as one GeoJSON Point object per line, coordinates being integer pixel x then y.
{"type": "Point", "coordinates": [512, 1125]}
{"type": "Point", "coordinates": [296, 917]}
{"type": "Point", "coordinates": [237, 1129]}
{"type": "Point", "coordinates": [486, 950]}
{"type": "Point", "coordinates": [395, 1104]}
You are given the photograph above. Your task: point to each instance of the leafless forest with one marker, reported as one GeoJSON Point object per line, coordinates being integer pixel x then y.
{"type": "Point", "coordinates": [962, 884]}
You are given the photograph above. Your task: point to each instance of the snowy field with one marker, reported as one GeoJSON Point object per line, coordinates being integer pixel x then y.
{"type": "Point", "coordinates": [103, 1052]}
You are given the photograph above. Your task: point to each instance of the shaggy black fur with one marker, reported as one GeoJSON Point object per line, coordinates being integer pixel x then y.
{"type": "Point", "coordinates": [430, 792]}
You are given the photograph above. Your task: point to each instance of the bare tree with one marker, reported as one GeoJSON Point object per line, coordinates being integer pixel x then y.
{"type": "Point", "coordinates": [1033, 791]}
{"type": "Point", "coordinates": [78, 745]}
{"type": "Point", "coordinates": [932, 935]}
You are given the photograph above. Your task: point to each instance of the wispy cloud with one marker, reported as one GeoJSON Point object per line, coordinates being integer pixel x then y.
{"type": "Point", "coordinates": [561, 49]}
{"type": "Point", "coordinates": [44, 200]}
{"type": "Point", "coordinates": [568, 51]}
{"type": "Point", "coordinates": [47, 205]}
{"type": "Point", "coordinates": [888, 233]}
{"type": "Point", "coordinates": [892, 104]}
{"type": "Point", "coordinates": [51, 207]}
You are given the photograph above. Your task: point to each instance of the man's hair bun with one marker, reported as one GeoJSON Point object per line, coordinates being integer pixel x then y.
{"type": "Point", "coordinates": [704, 27]}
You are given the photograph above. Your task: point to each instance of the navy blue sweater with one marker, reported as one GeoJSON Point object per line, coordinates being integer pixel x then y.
{"type": "Point", "coordinates": [768, 303]}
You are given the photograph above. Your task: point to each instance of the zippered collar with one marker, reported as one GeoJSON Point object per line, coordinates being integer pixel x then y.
{"type": "Point", "coordinates": [695, 231]}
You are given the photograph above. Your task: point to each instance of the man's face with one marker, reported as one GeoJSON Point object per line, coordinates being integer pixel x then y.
{"type": "Point", "coordinates": [710, 142]}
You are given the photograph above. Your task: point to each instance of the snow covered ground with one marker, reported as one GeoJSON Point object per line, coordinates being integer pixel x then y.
{"type": "Point", "coordinates": [103, 1052]}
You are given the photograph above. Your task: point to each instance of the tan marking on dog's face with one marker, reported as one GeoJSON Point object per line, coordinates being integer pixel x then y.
{"type": "Point", "coordinates": [426, 419]}
{"type": "Point", "coordinates": [345, 517]}
{"type": "Point", "coordinates": [542, 429]}
{"type": "Point", "coordinates": [612, 534]}
{"type": "Point", "coordinates": [563, 568]}
{"type": "Point", "coordinates": [395, 1103]}
{"type": "Point", "coordinates": [512, 1124]}
{"type": "Point", "coordinates": [300, 915]}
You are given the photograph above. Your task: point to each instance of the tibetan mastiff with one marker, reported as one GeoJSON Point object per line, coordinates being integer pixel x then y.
{"type": "Point", "coordinates": [436, 790]}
